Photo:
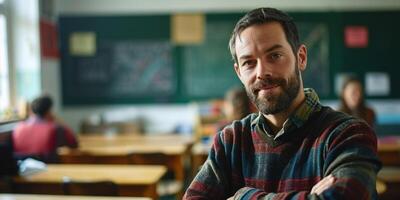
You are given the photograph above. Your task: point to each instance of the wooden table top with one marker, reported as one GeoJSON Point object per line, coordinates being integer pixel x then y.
{"type": "Point", "coordinates": [119, 174]}
{"type": "Point", "coordinates": [125, 149]}
{"type": "Point", "coordinates": [62, 197]}
{"type": "Point", "coordinates": [168, 139]}
{"type": "Point", "coordinates": [129, 143]}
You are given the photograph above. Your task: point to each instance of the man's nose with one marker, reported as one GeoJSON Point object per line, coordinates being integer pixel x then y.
{"type": "Point", "coordinates": [263, 69]}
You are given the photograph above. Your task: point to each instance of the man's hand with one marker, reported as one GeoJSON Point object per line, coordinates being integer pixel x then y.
{"type": "Point", "coordinates": [323, 184]}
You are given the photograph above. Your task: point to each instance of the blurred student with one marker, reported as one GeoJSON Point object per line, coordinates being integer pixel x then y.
{"type": "Point", "coordinates": [236, 106]}
{"type": "Point", "coordinates": [294, 147]}
{"type": "Point", "coordinates": [41, 134]}
{"type": "Point", "coordinates": [352, 101]}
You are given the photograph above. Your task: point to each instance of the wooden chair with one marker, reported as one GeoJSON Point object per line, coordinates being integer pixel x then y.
{"type": "Point", "coordinates": [97, 188]}
{"type": "Point", "coordinates": [8, 164]}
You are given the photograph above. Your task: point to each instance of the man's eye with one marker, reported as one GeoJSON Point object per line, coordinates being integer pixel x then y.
{"type": "Point", "coordinates": [275, 56]}
{"type": "Point", "coordinates": [248, 63]}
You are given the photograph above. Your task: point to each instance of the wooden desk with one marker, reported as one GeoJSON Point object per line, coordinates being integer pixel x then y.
{"type": "Point", "coordinates": [123, 148]}
{"type": "Point", "coordinates": [168, 150]}
{"type": "Point", "coordinates": [389, 150]}
{"type": "Point", "coordinates": [134, 138]}
{"type": "Point", "coordinates": [117, 147]}
{"type": "Point", "coordinates": [131, 180]}
{"type": "Point", "coordinates": [62, 197]}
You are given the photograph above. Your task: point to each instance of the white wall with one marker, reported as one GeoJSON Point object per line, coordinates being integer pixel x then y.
{"type": "Point", "coordinates": [170, 6]}
{"type": "Point", "coordinates": [51, 81]}
{"type": "Point", "coordinates": [157, 118]}
{"type": "Point", "coordinates": [163, 118]}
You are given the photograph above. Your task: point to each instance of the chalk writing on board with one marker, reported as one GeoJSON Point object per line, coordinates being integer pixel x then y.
{"type": "Point", "coordinates": [127, 69]}
{"type": "Point", "coordinates": [143, 67]}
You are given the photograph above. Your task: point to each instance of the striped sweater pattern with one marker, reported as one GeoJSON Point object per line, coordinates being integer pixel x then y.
{"type": "Point", "coordinates": [247, 163]}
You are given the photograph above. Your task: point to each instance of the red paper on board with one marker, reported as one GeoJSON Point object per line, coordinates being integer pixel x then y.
{"type": "Point", "coordinates": [356, 36]}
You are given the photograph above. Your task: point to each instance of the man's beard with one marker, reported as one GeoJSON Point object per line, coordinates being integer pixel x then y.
{"type": "Point", "coordinates": [273, 104]}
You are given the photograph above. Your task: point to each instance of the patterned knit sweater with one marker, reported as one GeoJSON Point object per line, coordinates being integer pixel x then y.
{"type": "Point", "coordinates": [248, 163]}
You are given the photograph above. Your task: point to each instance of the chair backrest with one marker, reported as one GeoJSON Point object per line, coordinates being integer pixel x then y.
{"type": "Point", "coordinates": [8, 165]}
{"type": "Point", "coordinates": [93, 188]}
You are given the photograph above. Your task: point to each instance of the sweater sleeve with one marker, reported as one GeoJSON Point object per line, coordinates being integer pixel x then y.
{"type": "Point", "coordinates": [350, 156]}
{"type": "Point", "coordinates": [212, 181]}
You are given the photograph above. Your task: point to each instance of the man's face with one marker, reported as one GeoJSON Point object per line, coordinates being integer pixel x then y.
{"type": "Point", "coordinates": [268, 67]}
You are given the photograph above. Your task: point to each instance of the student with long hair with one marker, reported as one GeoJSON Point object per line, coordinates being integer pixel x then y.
{"type": "Point", "coordinates": [353, 103]}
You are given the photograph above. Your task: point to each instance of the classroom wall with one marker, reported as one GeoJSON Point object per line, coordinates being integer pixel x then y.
{"type": "Point", "coordinates": [162, 6]}
{"type": "Point", "coordinates": [164, 117]}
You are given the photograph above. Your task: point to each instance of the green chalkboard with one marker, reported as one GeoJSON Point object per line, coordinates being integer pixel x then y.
{"type": "Point", "coordinates": [121, 65]}
{"type": "Point", "coordinates": [208, 68]}
{"type": "Point", "coordinates": [136, 62]}
{"type": "Point", "coordinates": [127, 68]}
{"type": "Point", "coordinates": [316, 38]}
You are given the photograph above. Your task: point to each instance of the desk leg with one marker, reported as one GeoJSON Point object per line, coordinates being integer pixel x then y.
{"type": "Point", "coordinates": [176, 164]}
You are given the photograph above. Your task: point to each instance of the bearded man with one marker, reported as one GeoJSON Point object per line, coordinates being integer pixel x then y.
{"type": "Point", "coordinates": [294, 148]}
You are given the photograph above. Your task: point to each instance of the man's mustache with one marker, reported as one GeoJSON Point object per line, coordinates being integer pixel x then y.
{"type": "Point", "coordinates": [267, 83]}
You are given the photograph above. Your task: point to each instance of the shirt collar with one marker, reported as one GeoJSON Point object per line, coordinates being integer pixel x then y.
{"type": "Point", "coordinates": [310, 105]}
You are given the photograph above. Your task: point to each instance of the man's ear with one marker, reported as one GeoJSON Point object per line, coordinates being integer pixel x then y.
{"type": "Point", "coordinates": [302, 57]}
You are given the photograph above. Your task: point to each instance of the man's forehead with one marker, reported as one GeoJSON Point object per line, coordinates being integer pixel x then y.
{"type": "Point", "coordinates": [264, 35]}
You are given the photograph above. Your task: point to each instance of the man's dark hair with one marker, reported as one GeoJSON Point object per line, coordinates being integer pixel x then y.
{"type": "Point", "coordinates": [41, 105]}
{"type": "Point", "coordinates": [265, 15]}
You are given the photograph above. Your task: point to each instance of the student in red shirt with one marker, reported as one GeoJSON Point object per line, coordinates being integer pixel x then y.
{"type": "Point", "coordinates": [40, 134]}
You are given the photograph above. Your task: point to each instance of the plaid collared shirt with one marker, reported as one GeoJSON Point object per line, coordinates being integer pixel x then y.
{"type": "Point", "coordinates": [297, 119]}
